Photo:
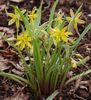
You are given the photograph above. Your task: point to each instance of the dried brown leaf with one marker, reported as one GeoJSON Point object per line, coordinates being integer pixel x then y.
{"type": "Point", "coordinates": [19, 96]}
{"type": "Point", "coordinates": [3, 66]}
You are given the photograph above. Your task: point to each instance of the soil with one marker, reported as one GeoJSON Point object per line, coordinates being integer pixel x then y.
{"type": "Point", "coordinates": [10, 90]}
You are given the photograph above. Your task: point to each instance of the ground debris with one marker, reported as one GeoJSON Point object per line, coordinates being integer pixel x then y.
{"type": "Point", "coordinates": [19, 96]}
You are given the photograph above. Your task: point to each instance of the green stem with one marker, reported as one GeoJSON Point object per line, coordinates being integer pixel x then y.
{"type": "Point", "coordinates": [78, 76]}
{"type": "Point", "coordinates": [17, 31]}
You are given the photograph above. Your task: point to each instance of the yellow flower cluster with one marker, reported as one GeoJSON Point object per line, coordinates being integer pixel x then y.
{"type": "Point", "coordinates": [60, 35]}
{"type": "Point", "coordinates": [56, 33]}
{"type": "Point", "coordinates": [15, 18]}
{"type": "Point", "coordinates": [24, 40]}
{"type": "Point", "coordinates": [76, 20]}
{"type": "Point", "coordinates": [32, 15]}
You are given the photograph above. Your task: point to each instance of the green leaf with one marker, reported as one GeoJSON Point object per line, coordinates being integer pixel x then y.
{"type": "Point", "coordinates": [81, 36]}
{"type": "Point", "coordinates": [37, 60]}
{"type": "Point", "coordinates": [37, 21]}
{"type": "Point", "coordinates": [25, 20]}
{"type": "Point", "coordinates": [78, 76]}
{"type": "Point", "coordinates": [52, 96]}
{"type": "Point", "coordinates": [83, 61]}
{"type": "Point", "coordinates": [29, 70]}
{"type": "Point", "coordinates": [52, 14]}
{"type": "Point", "coordinates": [14, 77]}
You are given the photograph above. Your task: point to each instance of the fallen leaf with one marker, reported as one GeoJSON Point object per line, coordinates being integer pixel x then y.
{"type": "Point", "coordinates": [2, 7]}
{"type": "Point", "coordinates": [3, 66]}
{"type": "Point", "coordinates": [89, 84]}
{"type": "Point", "coordinates": [77, 84]}
{"type": "Point", "coordinates": [19, 96]}
{"type": "Point", "coordinates": [1, 43]}
{"type": "Point", "coordinates": [8, 32]}
{"type": "Point", "coordinates": [7, 53]}
{"type": "Point", "coordinates": [17, 72]}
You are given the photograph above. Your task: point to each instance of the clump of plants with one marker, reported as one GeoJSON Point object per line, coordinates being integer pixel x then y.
{"type": "Point", "coordinates": [50, 48]}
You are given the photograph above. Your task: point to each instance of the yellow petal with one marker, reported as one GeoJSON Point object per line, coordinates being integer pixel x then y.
{"type": "Point", "coordinates": [79, 14]}
{"type": "Point", "coordinates": [29, 38]}
{"type": "Point", "coordinates": [11, 15]}
{"type": "Point", "coordinates": [28, 44]}
{"type": "Point", "coordinates": [16, 12]}
{"type": "Point", "coordinates": [75, 26]}
{"type": "Point", "coordinates": [68, 33]}
{"type": "Point", "coordinates": [25, 34]}
{"type": "Point", "coordinates": [18, 43]}
{"type": "Point", "coordinates": [34, 10]}
{"type": "Point", "coordinates": [31, 18]}
{"type": "Point", "coordinates": [71, 13]}
{"type": "Point", "coordinates": [17, 23]}
{"type": "Point", "coordinates": [73, 63]}
{"type": "Point", "coordinates": [57, 38]}
{"type": "Point", "coordinates": [68, 18]}
{"type": "Point", "coordinates": [22, 46]}
{"type": "Point", "coordinates": [80, 21]}
{"type": "Point", "coordinates": [35, 15]}
{"type": "Point", "coordinates": [19, 37]}
{"type": "Point", "coordinates": [64, 38]}
{"type": "Point", "coordinates": [32, 14]}
{"type": "Point", "coordinates": [11, 22]}
{"type": "Point", "coordinates": [63, 30]}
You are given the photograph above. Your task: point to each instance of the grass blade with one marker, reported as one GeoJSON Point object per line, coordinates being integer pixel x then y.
{"type": "Point", "coordinates": [78, 76]}
{"type": "Point", "coordinates": [14, 77]}
{"type": "Point", "coordinates": [52, 13]}
{"type": "Point", "coordinates": [52, 96]}
{"type": "Point", "coordinates": [81, 36]}
{"type": "Point", "coordinates": [37, 59]}
{"type": "Point", "coordinates": [37, 21]}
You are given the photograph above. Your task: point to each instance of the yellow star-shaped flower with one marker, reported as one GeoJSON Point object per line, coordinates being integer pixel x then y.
{"type": "Point", "coordinates": [32, 15]}
{"type": "Point", "coordinates": [76, 20]}
{"type": "Point", "coordinates": [15, 18]}
{"type": "Point", "coordinates": [60, 35]}
{"type": "Point", "coordinates": [24, 40]}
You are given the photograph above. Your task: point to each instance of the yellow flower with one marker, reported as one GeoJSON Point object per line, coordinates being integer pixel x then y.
{"type": "Point", "coordinates": [24, 40]}
{"type": "Point", "coordinates": [15, 18]}
{"type": "Point", "coordinates": [76, 20]}
{"type": "Point", "coordinates": [73, 63]}
{"type": "Point", "coordinates": [32, 15]}
{"type": "Point", "coordinates": [60, 35]}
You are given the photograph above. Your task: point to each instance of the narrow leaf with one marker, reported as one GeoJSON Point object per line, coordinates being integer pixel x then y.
{"type": "Point", "coordinates": [52, 13]}
{"type": "Point", "coordinates": [52, 96]}
{"type": "Point", "coordinates": [37, 59]}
